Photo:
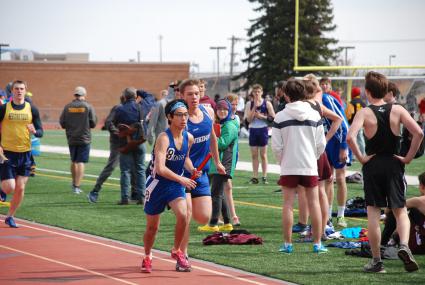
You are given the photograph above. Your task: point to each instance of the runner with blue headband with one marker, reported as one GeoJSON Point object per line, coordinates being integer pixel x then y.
{"type": "Point", "coordinates": [166, 184]}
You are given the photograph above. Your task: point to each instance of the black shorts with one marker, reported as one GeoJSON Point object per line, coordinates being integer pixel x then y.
{"type": "Point", "coordinates": [384, 182]}
{"type": "Point", "coordinates": [79, 153]}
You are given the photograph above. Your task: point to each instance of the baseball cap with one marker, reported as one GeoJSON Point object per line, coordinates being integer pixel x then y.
{"type": "Point", "coordinates": [80, 91]}
{"type": "Point", "coordinates": [355, 91]}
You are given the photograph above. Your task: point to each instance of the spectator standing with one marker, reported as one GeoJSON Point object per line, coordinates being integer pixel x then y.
{"type": "Point", "coordinates": [114, 154]}
{"type": "Point", "coordinates": [355, 105]}
{"type": "Point", "coordinates": [422, 110]}
{"type": "Point", "coordinates": [240, 109]}
{"type": "Point", "coordinates": [228, 188]}
{"type": "Point", "coordinates": [227, 146]}
{"type": "Point", "coordinates": [158, 121]}
{"type": "Point", "coordinates": [411, 104]}
{"type": "Point", "coordinates": [326, 85]}
{"type": "Point", "coordinates": [132, 162]}
{"type": "Point", "coordinates": [298, 140]}
{"type": "Point", "coordinates": [258, 112]}
{"type": "Point", "coordinates": [78, 118]}
{"type": "Point", "coordinates": [393, 93]}
{"type": "Point", "coordinates": [383, 169]}
{"type": "Point", "coordinates": [338, 154]}
{"type": "Point", "coordinates": [279, 100]}
{"type": "Point", "coordinates": [175, 94]}
{"type": "Point", "coordinates": [205, 100]}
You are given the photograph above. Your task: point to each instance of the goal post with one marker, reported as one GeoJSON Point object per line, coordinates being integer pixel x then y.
{"type": "Point", "coordinates": [336, 67]}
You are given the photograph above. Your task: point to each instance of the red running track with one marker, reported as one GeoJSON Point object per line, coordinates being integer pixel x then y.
{"type": "Point", "coordinates": [39, 254]}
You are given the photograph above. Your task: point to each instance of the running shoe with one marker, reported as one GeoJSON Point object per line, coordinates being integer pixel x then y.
{"type": "Point", "coordinates": [208, 229]}
{"type": "Point", "coordinates": [76, 190]}
{"type": "Point", "coordinates": [253, 180]}
{"type": "Point", "coordinates": [340, 221]}
{"type": "Point", "coordinates": [319, 248]}
{"type": "Point", "coordinates": [225, 228]}
{"type": "Point", "coordinates": [286, 248]}
{"type": "Point", "coordinates": [299, 227]}
{"type": "Point", "coordinates": [3, 196]}
{"type": "Point", "coordinates": [374, 267]}
{"type": "Point", "coordinates": [10, 222]}
{"type": "Point", "coordinates": [264, 179]}
{"type": "Point", "coordinates": [146, 265]}
{"type": "Point", "coordinates": [92, 196]}
{"type": "Point", "coordinates": [406, 256]}
{"type": "Point", "coordinates": [182, 264]}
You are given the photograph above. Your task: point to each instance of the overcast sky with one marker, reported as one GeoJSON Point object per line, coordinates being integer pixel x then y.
{"type": "Point", "coordinates": [114, 30]}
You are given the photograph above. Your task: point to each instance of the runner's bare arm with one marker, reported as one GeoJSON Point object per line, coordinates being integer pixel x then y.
{"type": "Point", "coordinates": [352, 137]}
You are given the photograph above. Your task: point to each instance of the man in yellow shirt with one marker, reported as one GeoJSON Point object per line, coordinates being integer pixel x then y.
{"type": "Point", "coordinates": [19, 120]}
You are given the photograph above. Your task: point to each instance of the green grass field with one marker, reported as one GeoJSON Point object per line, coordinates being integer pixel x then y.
{"type": "Point", "coordinates": [49, 200]}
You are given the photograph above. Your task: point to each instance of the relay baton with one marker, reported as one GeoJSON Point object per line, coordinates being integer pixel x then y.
{"type": "Point", "coordinates": [199, 168]}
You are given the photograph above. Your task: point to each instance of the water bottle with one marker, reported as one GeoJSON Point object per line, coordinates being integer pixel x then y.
{"type": "Point", "coordinates": [35, 146]}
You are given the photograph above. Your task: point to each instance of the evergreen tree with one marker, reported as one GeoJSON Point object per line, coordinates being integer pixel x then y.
{"type": "Point", "coordinates": [271, 40]}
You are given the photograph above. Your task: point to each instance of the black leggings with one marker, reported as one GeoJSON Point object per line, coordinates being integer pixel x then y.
{"type": "Point", "coordinates": [219, 203]}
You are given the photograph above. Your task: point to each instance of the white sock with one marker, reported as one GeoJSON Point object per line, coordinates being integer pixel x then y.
{"type": "Point", "coordinates": [341, 210]}
{"type": "Point", "coordinates": [150, 255]}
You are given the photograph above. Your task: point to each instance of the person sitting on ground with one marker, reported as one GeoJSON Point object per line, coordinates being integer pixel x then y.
{"type": "Point", "coordinates": [416, 207]}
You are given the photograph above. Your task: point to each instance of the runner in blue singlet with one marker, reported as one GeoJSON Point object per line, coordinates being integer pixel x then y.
{"type": "Point", "coordinates": [200, 125]}
{"type": "Point", "coordinates": [165, 186]}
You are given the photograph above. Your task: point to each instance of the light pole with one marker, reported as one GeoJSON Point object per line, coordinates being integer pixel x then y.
{"type": "Point", "coordinates": [346, 54]}
{"type": "Point", "coordinates": [3, 45]}
{"type": "Point", "coordinates": [218, 58]}
{"type": "Point", "coordinates": [160, 48]}
{"type": "Point", "coordinates": [389, 62]}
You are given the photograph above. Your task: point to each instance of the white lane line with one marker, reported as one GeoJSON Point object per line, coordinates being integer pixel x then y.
{"type": "Point", "coordinates": [68, 265]}
{"type": "Point", "coordinates": [138, 253]}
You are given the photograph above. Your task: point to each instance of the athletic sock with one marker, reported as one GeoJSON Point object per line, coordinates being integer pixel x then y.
{"type": "Point", "coordinates": [341, 210]}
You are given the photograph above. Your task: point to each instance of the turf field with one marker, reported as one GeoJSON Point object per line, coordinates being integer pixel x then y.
{"type": "Point", "coordinates": [49, 200]}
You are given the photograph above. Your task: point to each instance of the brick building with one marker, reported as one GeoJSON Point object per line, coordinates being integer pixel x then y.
{"type": "Point", "coordinates": [52, 83]}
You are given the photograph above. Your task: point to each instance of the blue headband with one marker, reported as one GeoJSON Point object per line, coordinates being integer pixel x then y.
{"type": "Point", "coordinates": [176, 106]}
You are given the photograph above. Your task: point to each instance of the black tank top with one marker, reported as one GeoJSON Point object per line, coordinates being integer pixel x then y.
{"type": "Point", "coordinates": [384, 141]}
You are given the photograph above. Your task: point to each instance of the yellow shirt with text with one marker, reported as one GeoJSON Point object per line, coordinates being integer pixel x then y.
{"type": "Point", "coordinates": [15, 135]}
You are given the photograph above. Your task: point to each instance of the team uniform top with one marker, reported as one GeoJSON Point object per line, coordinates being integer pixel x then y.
{"type": "Point", "coordinates": [384, 142]}
{"type": "Point", "coordinates": [256, 122]}
{"type": "Point", "coordinates": [160, 191]}
{"type": "Point", "coordinates": [383, 174]}
{"type": "Point", "coordinates": [201, 145]}
{"type": "Point", "coordinates": [174, 159]}
{"type": "Point", "coordinates": [15, 134]}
